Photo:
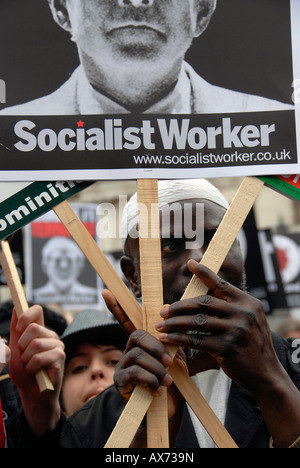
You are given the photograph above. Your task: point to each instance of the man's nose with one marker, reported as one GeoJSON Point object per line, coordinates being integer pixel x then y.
{"type": "Point", "coordinates": [195, 254]}
{"type": "Point", "coordinates": [136, 3]}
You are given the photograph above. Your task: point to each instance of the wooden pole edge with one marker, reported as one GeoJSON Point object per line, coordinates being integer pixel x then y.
{"type": "Point", "coordinates": [98, 260]}
{"type": "Point", "coordinates": [152, 297]}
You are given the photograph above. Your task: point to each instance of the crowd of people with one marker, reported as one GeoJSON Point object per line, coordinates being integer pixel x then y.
{"type": "Point", "coordinates": [246, 372]}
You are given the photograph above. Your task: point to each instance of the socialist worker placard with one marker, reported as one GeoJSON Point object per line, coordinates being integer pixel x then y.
{"type": "Point", "coordinates": [109, 89]}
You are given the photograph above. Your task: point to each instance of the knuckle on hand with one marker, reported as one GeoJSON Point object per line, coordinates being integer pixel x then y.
{"type": "Point", "coordinates": [36, 361]}
{"type": "Point", "coordinates": [136, 355]}
{"type": "Point", "coordinates": [205, 300]}
{"type": "Point", "coordinates": [195, 340]}
{"type": "Point", "coordinates": [200, 320]}
{"type": "Point", "coordinates": [138, 338]}
{"type": "Point", "coordinates": [221, 284]}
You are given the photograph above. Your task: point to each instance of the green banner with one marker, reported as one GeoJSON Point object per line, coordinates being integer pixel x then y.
{"type": "Point", "coordinates": [32, 202]}
{"type": "Point", "coordinates": [288, 185]}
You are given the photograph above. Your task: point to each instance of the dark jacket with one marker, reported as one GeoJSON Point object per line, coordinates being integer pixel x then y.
{"type": "Point", "coordinates": [91, 426]}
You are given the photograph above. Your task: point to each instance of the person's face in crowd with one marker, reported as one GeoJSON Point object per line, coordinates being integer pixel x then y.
{"type": "Point", "coordinates": [63, 266]}
{"type": "Point", "coordinates": [175, 254]}
{"type": "Point", "coordinates": [135, 37]}
{"type": "Point", "coordinates": [89, 371]}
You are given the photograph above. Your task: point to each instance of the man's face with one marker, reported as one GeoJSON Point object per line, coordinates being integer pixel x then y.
{"type": "Point", "coordinates": [175, 254]}
{"type": "Point", "coordinates": [133, 31]}
{"type": "Point", "coordinates": [63, 266]}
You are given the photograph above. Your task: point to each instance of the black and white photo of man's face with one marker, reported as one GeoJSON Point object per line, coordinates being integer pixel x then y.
{"type": "Point", "coordinates": [62, 262]}
{"type": "Point", "coordinates": [122, 40]}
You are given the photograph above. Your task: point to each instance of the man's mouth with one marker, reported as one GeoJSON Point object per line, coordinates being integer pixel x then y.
{"type": "Point", "coordinates": [63, 275]}
{"type": "Point", "coordinates": [136, 30]}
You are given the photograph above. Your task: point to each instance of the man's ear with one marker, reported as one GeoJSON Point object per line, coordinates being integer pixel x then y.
{"type": "Point", "coordinates": [60, 14]}
{"type": "Point", "coordinates": [205, 9]}
{"type": "Point", "coordinates": [132, 273]}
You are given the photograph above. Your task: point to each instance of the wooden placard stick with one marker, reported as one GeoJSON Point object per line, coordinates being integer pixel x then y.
{"type": "Point", "coordinates": [118, 288]}
{"type": "Point", "coordinates": [221, 243]}
{"type": "Point", "coordinates": [20, 302]}
{"type": "Point", "coordinates": [201, 408]}
{"type": "Point", "coordinates": [227, 232]}
{"type": "Point", "coordinates": [127, 425]}
{"type": "Point", "coordinates": [152, 296]}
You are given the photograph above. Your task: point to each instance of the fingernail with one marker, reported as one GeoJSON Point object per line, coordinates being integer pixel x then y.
{"type": "Point", "coordinates": [164, 311]}
{"type": "Point", "coordinates": [167, 360]}
{"type": "Point", "coordinates": [158, 391]}
{"type": "Point", "coordinates": [192, 263]}
{"type": "Point", "coordinates": [163, 336]}
{"type": "Point", "coordinates": [159, 325]}
{"type": "Point", "coordinates": [167, 381]}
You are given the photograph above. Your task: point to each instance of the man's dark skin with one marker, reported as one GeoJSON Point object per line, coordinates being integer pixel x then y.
{"type": "Point", "coordinates": [239, 339]}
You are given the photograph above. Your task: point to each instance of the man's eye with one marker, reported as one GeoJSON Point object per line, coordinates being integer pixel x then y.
{"type": "Point", "coordinates": [169, 247]}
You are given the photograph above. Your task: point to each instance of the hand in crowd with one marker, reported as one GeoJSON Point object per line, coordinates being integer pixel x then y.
{"type": "Point", "coordinates": [145, 362]}
{"type": "Point", "coordinates": [34, 347]}
{"type": "Point", "coordinates": [228, 324]}
{"type": "Point", "coordinates": [230, 330]}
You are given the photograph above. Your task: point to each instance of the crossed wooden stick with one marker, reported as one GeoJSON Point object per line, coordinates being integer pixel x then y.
{"type": "Point", "coordinates": [141, 401]}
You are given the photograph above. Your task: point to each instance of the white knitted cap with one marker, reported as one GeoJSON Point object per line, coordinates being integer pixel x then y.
{"type": "Point", "coordinates": [172, 191]}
